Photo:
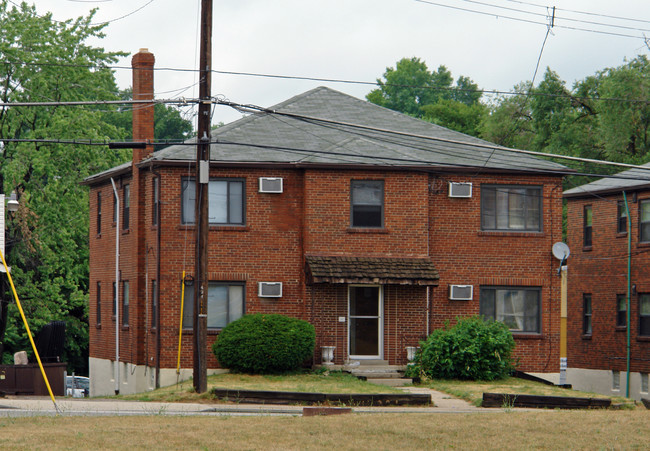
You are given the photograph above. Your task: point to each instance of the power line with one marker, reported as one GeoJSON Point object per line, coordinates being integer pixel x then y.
{"type": "Point", "coordinates": [569, 19]}
{"type": "Point", "coordinates": [581, 12]}
{"type": "Point", "coordinates": [518, 19]}
{"type": "Point", "coordinates": [347, 81]}
{"type": "Point", "coordinates": [100, 102]}
{"type": "Point", "coordinates": [247, 108]}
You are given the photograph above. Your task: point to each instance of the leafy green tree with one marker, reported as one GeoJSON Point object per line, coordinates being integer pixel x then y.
{"type": "Point", "coordinates": [414, 90]}
{"type": "Point", "coordinates": [169, 123]}
{"type": "Point", "coordinates": [45, 60]}
{"type": "Point", "coordinates": [456, 115]}
{"type": "Point", "coordinates": [406, 88]}
{"type": "Point", "coordinates": [625, 122]}
{"type": "Point", "coordinates": [509, 122]}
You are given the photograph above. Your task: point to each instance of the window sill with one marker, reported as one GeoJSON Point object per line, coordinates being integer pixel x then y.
{"type": "Point", "coordinates": [620, 329]}
{"type": "Point", "coordinates": [218, 228]}
{"type": "Point", "coordinates": [98, 326]}
{"type": "Point", "coordinates": [512, 233]}
{"type": "Point", "coordinates": [229, 228]}
{"type": "Point", "coordinates": [380, 230]}
{"type": "Point", "coordinates": [527, 336]}
{"type": "Point", "coordinates": [586, 336]}
{"type": "Point", "coordinates": [621, 234]}
{"type": "Point", "coordinates": [643, 338]}
{"type": "Point", "coordinates": [126, 231]}
{"type": "Point", "coordinates": [587, 248]}
{"type": "Point", "coordinates": [98, 236]}
{"type": "Point", "coordinates": [209, 331]}
{"type": "Point", "coordinates": [643, 244]}
{"type": "Point", "coordinates": [125, 327]}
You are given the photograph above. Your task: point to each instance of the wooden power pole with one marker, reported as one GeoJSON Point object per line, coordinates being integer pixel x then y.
{"type": "Point", "coordinates": [201, 204]}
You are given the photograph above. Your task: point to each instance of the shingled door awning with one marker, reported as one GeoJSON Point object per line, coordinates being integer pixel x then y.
{"type": "Point", "coordinates": [385, 271]}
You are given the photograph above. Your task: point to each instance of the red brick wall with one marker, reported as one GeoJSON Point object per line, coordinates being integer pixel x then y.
{"type": "Point", "coordinates": [602, 272]}
{"type": "Point", "coordinates": [312, 216]}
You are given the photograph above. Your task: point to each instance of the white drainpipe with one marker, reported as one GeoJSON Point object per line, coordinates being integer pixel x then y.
{"type": "Point", "coordinates": [117, 289]}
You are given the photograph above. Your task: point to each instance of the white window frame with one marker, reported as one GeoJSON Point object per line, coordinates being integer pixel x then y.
{"type": "Point", "coordinates": [506, 223]}
{"type": "Point", "coordinates": [188, 195]}
{"type": "Point", "coordinates": [189, 304]}
{"type": "Point", "coordinates": [501, 315]}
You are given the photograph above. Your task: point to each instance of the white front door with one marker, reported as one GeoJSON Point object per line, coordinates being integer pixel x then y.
{"type": "Point", "coordinates": [365, 322]}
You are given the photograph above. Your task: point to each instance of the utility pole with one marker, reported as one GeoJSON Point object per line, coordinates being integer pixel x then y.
{"type": "Point", "coordinates": [201, 205]}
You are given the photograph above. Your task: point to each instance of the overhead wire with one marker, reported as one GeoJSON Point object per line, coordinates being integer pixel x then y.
{"type": "Point", "coordinates": [345, 81]}
{"type": "Point", "coordinates": [558, 17]}
{"type": "Point", "coordinates": [518, 19]}
{"type": "Point", "coordinates": [588, 13]}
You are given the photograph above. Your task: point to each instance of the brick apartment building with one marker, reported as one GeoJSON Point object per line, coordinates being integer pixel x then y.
{"type": "Point", "coordinates": [375, 227]}
{"type": "Point", "coordinates": [598, 228]}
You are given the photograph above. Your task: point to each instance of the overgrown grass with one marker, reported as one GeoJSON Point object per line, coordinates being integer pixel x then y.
{"type": "Point", "coordinates": [539, 430]}
{"type": "Point", "coordinates": [333, 382]}
{"type": "Point", "coordinates": [472, 391]}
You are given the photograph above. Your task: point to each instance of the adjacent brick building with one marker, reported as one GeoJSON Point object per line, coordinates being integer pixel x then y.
{"type": "Point", "coordinates": [375, 227]}
{"type": "Point", "coordinates": [598, 233]}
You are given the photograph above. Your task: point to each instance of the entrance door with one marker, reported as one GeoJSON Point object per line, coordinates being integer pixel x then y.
{"type": "Point", "coordinates": [365, 325]}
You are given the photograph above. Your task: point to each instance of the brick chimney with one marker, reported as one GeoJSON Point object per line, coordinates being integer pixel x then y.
{"type": "Point", "coordinates": [142, 65]}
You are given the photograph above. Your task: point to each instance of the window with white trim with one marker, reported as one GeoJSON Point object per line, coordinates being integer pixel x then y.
{"type": "Point", "coordinates": [226, 303]}
{"type": "Point", "coordinates": [586, 314]}
{"type": "Point", "coordinates": [644, 220]}
{"type": "Point", "coordinates": [226, 201]}
{"type": "Point", "coordinates": [511, 208]}
{"type": "Point", "coordinates": [644, 314]}
{"type": "Point", "coordinates": [367, 203]}
{"type": "Point", "coordinates": [517, 307]}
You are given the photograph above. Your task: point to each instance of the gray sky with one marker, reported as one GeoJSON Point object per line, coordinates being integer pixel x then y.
{"type": "Point", "coordinates": [358, 39]}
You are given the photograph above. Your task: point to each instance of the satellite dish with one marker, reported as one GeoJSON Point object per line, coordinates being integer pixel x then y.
{"type": "Point", "coordinates": [560, 250]}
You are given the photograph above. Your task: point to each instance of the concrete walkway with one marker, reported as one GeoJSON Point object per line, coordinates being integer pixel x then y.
{"type": "Point", "coordinates": [32, 405]}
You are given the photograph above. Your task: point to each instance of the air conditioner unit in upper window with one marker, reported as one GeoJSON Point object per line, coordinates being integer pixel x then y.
{"type": "Point", "coordinates": [270, 290]}
{"type": "Point", "coordinates": [270, 184]}
{"type": "Point", "coordinates": [461, 292]}
{"type": "Point", "coordinates": [457, 189]}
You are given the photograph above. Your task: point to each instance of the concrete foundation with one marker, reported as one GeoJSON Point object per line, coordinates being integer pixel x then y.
{"type": "Point", "coordinates": [133, 378]}
{"type": "Point", "coordinates": [605, 382]}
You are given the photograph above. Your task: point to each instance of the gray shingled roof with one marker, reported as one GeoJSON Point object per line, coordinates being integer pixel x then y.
{"type": "Point", "coordinates": [275, 139]}
{"type": "Point", "coordinates": [401, 271]}
{"type": "Point", "coordinates": [269, 138]}
{"type": "Point", "coordinates": [632, 179]}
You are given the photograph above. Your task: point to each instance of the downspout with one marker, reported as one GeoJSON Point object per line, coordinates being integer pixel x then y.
{"type": "Point", "coordinates": [428, 309]}
{"type": "Point", "coordinates": [158, 282]}
{"type": "Point", "coordinates": [629, 291]}
{"type": "Point", "coordinates": [117, 289]}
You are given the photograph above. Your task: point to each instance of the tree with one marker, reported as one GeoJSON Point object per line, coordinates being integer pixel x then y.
{"type": "Point", "coordinates": [625, 122]}
{"type": "Point", "coordinates": [412, 89]}
{"type": "Point", "coordinates": [509, 122]}
{"type": "Point", "coordinates": [456, 115]}
{"type": "Point", "coordinates": [168, 122]}
{"type": "Point", "coordinates": [46, 60]}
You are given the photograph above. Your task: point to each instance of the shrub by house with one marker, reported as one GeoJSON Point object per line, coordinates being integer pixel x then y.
{"type": "Point", "coordinates": [262, 343]}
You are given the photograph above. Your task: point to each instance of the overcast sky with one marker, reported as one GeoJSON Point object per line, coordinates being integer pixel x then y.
{"type": "Point", "coordinates": [357, 40]}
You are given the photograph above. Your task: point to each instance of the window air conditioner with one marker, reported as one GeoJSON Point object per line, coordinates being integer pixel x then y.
{"type": "Point", "coordinates": [270, 290]}
{"type": "Point", "coordinates": [461, 292]}
{"type": "Point", "coordinates": [270, 184]}
{"type": "Point", "coordinates": [457, 189]}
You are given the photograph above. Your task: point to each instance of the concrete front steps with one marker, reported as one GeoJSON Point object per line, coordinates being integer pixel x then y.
{"type": "Point", "coordinates": [378, 372]}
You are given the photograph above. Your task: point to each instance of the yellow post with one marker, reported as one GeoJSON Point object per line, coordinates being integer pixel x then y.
{"type": "Point", "coordinates": [29, 333]}
{"type": "Point", "coordinates": [180, 328]}
{"type": "Point", "coordinates": [563, 324]}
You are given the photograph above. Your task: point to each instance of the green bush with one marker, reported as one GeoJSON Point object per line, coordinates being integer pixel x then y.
{"type": "Point", "coordinates": [262, 344]}
{"type": "Point", "coordinates": [473, 349]}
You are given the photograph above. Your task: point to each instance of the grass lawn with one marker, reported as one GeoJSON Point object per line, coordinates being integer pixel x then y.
{"type": "Point", "coordinates": [472, 391]}
{"type": "Point", "coordinates": [334, 382]}
{"type": "Point", "coordinates": [492, 430]}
